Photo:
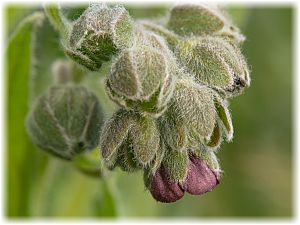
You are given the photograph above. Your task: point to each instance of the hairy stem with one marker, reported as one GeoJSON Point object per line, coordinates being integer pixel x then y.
{"type": "Point", "coordinates": [56, 18]}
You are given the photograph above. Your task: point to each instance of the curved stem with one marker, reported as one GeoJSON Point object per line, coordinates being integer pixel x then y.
{"type": "Point", "coordinates": [56, 18]}
{"type": "Point", "coordinates": [88, 163]}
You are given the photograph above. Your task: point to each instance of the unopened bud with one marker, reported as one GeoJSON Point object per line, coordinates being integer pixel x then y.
{"type": "Point", "coordinates": [129, 131]}
{"type": "Point", "coordinates": [145, 139]}
{"type": "Point", "coordinates": [65, 121]}
{"type": "Point", "coordinates": [126, 159]}
{"type": "Point", "coordinates": [141, 78]}
{"type": "Point", "coordinates": [114, 133]}
{"type": "Point", "coordinates": [193, 105]}
{"type": "Point", "coordinates": [164, 189]}
{"type": "Point", "coordinates": [98, 34]}
{"type": "Point", "coordinates": [216, 63]}
{"type": "Point", "coordinates": [173, 131]}
{"type": "Point", "coordinates": [200, 178]}
{"type": "Point", "coordinates": [203, 19]}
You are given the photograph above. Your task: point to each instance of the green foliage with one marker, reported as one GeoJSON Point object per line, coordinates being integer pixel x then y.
{"type": "Point", "coordinates": [19, 159]}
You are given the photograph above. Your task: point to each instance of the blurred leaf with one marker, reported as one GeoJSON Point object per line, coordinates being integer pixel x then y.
{"type": "Point", "coordinates": [19, 146]}
{"type": "Point", "coordinates": [13, 15]}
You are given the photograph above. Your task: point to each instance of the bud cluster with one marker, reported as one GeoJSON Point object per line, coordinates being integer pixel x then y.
{"type": "Point", "coordinates": [172, 82]}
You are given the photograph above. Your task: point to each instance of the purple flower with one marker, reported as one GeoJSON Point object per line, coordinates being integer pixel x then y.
{"type": "Point", "coordinates": [199, 180]}
{"type": "Point", "coordinates": [163, 189]}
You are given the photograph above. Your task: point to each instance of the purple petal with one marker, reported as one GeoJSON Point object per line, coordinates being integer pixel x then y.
{"type": "Point", "coordinates": [163, 189]}
{"type": "Point", "coordinates": [200, 178]}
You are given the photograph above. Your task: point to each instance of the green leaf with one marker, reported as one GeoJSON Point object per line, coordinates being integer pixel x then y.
{"type": "Point", "coordinates": [21, 154]}
{"type": "Point", "coordinates": [14, 13]}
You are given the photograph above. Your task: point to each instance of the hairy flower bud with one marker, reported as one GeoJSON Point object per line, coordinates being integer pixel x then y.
{"type": "Point", "coordinates": [216, 63]}
{"type": "Point", "coordinates": [126, 159]}
{"type": "Point", "coordinates": [145, 139]}
{"type": "Point", "coordinates": [196, 115]}
{"type": "Point", "coordinates": [141, 78]}
{"type": "Point", "coordinates": [148, 38]}
{"type": "Point", "coordinates": [193, 105]}
{"type": "Point", "coordinates": [173, 131]}
{"type": "Point", "coordinates": [164, 189]}
{"type": "Point", "coordinates": [129, 137]}
{"type": "Point", "coordinates": [200, 178]}
{"type": "Point", "coordinates": [98, 34]}
{"type": "Point", "coordinates": [114, 132]}
{"type": "Point", "coordinates": [202, 19]}
{"type": "Point", "coordinates": [65, 121]}
{"type": "Point", "coordinates": [197, 174]}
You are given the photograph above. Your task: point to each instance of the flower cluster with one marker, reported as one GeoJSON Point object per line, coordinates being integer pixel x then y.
{"type": "Point", "coordinates": [172, 81]}
{"type": "Point", "coordinates": [172, 85]}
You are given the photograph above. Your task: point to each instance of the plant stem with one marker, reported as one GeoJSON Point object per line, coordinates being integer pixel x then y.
{"type": "Point", "coordinates": [56, 18]}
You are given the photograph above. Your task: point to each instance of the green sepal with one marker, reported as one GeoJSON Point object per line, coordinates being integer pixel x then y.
{"type": "Point", "coordinates": [146, 139]}
{"type": "Point", "coordinates": [114, 132]}
{"type": "Point", "coordinates": [175, 164]}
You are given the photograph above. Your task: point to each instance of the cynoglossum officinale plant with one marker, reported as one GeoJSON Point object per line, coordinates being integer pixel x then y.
{"type": "Point", "coordinates": [171, 80]}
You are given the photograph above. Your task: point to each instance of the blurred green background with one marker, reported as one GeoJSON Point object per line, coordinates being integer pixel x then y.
{"type": "Point", "coordinates": [258, 164]}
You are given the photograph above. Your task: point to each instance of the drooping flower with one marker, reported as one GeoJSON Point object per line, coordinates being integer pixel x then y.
{"type": "Point", "coordinates": [200, 178]}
